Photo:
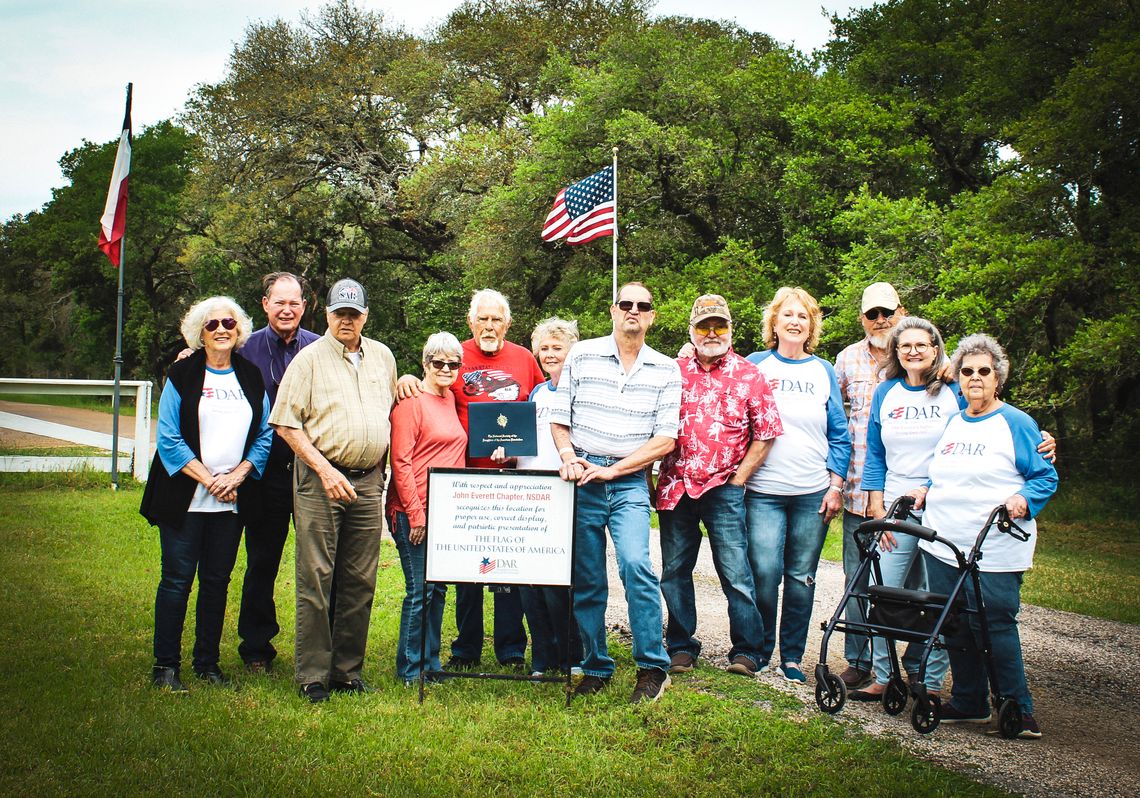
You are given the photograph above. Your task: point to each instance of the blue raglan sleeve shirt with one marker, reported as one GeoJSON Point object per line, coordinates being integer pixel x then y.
{"type": "Point", "coordinates": [1040, 475]}
{"type": "Point", "coordinates": [838, 437]}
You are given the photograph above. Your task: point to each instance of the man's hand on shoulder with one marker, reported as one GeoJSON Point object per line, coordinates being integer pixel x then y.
{"type": "Point", "coordinates": [408, 387]}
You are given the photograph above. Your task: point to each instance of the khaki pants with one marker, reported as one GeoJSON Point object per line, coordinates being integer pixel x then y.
{"type": "Point", "coordinates": [341, 538]}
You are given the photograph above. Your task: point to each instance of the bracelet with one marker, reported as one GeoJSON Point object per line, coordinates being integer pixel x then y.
{"type": "Point", "coordinates": [565, 449]}
{"type": "Point", "coordinates": [835, 488]}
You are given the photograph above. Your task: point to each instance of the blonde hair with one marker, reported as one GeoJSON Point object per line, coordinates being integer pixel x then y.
{"type": "Point", "coordinates": [554, 327]}
{"type": "Point", "coordinates": [772, 311]}
{"type": "Point", "coordinates": [196, 317]}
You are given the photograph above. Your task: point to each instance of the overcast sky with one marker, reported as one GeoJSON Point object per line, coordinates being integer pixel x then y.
{"type": "Point", "coordinates": [65, 64]}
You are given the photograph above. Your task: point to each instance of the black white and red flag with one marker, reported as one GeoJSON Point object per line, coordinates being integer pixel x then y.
{"type": "Point", "coordinates": [584, 210]}
{"type": "Point", "coordinates": [114, 221]}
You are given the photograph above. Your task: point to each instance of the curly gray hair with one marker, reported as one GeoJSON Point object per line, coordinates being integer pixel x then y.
{"type": "Point", "coordinates": [554, 327]}
{"type": "Point", "coordinates": [981, 344]}
{"type": "Point", "coordinates": [195, 318]}
{"type": "Point", "coordinates": [441, 343]}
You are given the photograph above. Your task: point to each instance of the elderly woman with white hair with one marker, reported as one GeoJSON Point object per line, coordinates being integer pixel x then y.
{"type": "Point", "coordinates": [426, 433]}
{"type": "Point", "coordinates": [213, 435]}
{"type": "Point", "coordinates": [987, 456]}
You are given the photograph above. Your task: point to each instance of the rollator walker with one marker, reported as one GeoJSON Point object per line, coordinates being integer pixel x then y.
{"type": "Point", "coordinates": [915, 616]}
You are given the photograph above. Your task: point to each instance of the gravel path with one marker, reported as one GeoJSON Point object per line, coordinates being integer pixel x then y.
{"type": "Point", "coordinates": [1081, 672]}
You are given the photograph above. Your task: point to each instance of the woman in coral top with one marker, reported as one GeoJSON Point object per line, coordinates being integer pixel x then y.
{"type": "Point", "coordinates": [425, 432]}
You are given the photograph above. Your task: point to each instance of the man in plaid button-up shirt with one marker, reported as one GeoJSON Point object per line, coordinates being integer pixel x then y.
{"type": "Point", "coordinates": [859, 368]}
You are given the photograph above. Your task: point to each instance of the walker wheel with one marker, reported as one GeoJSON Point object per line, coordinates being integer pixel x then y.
{"type": "Point", "coordinates": [830, 693]}
{"type": "Point", "coordinates": [1009, 719]}
{"type": "Point", "coordinates": [926, 714]}
{"type": "Point", "coordinates": [894, 697]}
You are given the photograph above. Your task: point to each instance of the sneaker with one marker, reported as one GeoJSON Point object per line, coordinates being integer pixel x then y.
{"type": "Point", "coordinates": [682, 662]}
{"type": "Point", "coordinates": [576, 670]}
{"type": "Point", "coordinates": [855, 677]}
{"type": "Point", "coordinates": [791, 671]}
{"type": "Point", "coordinates": [259, 666]}
{"type": "Point", "coordinates": [591, 684]}
{"type": "Point", "coordinates": [742, 665]}
{"type": "Point", "coordinates": [461, 664]}
{"type": "Point", "coordinates": [351, 686]}
{"type": "Point", "coordinates": [1029, 728]}
{"type": "Point", "coordinates": [314, 692]}
{"type": "Point", "coordinates": [651, 683]}
{"type": "Point", "coordinates": [951, 714]}
{"type": "Point", "coordinates": [213, 676]}
{"type": "Point", "coordinates": [167, 679]}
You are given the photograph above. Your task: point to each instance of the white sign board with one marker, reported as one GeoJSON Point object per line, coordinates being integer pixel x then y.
{"type": "Point", "coordinates": [499, 527]}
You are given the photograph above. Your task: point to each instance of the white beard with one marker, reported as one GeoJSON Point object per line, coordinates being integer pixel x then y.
{"type": "Point", "coordinates": [880, 341]}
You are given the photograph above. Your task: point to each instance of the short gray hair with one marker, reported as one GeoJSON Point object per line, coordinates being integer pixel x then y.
{"type": "Point", "coordinates": [488, 295]}
{"type": "Point", "coordinates": [894, 367]}
{"type": "Point", "coordinates": [554, 327]}
{"type": "Point", "coordinates": [981, 344]}
{"type": "Point", "coordinates": [441, 343]}
{"type": "Point", "coordinates": [195, 317]}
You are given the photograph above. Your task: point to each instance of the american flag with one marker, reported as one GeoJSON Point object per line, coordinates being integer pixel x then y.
{"type": "Point", "coordinates": [584, 210]}
{"type": "Point", "coordinates": [487, 565]}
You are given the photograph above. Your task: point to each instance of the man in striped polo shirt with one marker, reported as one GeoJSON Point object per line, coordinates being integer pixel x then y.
{"type": "Point", "coordinates": [616, 411]}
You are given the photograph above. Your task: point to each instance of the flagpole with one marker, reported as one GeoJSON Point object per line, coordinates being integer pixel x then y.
{"type": "Point", "coordinates": [115, 401]}
{"type": "Point", "coordinates": [615, 280]}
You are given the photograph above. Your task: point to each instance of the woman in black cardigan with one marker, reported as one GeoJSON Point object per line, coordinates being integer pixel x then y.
{"type": "Point", "coordinates": [213, 434]}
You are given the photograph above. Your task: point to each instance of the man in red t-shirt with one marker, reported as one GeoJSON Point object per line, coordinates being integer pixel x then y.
{"type": "Point", "coordinates": [493, 370]}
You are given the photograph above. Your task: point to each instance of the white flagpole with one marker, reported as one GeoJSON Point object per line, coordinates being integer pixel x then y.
{"type": "Point", "coordinates": [615, 280]}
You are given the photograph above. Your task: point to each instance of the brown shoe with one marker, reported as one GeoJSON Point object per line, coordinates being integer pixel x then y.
{"type": "Point", "coordinates": [742, 665]}
{"type": "Point", "coordinates": [855, 677]}
{"type": "Point", "coordinates": [682, 662]}
{"type": "Point", "coordinates": [591, 684]}
{"type": "Point", "coordinates": [651, 683]}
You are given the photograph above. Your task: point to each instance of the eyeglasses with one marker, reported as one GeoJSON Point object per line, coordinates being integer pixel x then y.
{"type": "Point", "coordinates": [918, 349]}
{"type": "Point", "coordinates": [450, 365]}
{"type": "Point", "coordinates": [212, 324]}
{"type": "Point", "coordinates": [984, 371]}
{"type": "Point", "coordinates": [874, 313]}
{"type": "Point", "coordinates": [642, 307]}
{"type": "Point", "coordinates": [711, 329]}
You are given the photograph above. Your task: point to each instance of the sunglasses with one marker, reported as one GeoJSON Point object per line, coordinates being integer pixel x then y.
{"type": "Point", "coordinates": [984, 371]}
{"type": "Point", "coordinates": [450, 365]}
{"type": "Point", "coordinates": [711, 329]}
{"type": "Point", "coordinates": [642, 307]}
{"type": "Point", "coordinates": [874, 313]}
{"type": "Point", "coordinates": [212, 324]}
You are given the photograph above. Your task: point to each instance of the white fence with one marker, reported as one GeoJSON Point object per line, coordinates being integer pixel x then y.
{"type": "Point", "coordinates": [134, 453]}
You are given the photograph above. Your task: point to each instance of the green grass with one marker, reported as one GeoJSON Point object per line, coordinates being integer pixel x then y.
{"type": "Point", "coordinates": [102, 404]}
{"type": "Point", "coordinates": [78, 571]}
{"type": "Point", "coordinates": [1087, 557]}
{"type": "Point", "coordinates": [53, 451]}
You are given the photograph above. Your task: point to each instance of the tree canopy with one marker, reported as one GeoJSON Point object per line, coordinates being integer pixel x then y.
{"type": "Point", "coordinates": [979, 154]}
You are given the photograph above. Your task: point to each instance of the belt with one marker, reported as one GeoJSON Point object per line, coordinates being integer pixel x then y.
{"type": "Point", "coordinates": [352, 473]}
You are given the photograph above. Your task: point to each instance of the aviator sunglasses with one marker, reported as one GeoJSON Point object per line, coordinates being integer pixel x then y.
{"type": "Point", "coordinates": [212, 324]}
{"type": "Point", "coordinates": [874, 313]}
{"type": "Point", "coordinates": [984, 371]}
{"type": "Point", "coordinates": [642, 307]}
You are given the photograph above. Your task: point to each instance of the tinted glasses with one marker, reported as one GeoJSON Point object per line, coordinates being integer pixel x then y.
{"type": "Point", "coordinates": [628, 305]}
{"type": "Point", "coordinates": [984, 371]}
{"type": "Point", "coordinates": [874, 313]}
{"type": "Point", "coordinates": [212, 324]}
{"type": "Point", "coordinates": [707, 329]}
{"type": "Point", "coordinates": [440, 365]}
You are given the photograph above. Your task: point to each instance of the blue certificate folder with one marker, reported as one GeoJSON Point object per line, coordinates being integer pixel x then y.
{"type": "Point", "coordinates": [507, 424]}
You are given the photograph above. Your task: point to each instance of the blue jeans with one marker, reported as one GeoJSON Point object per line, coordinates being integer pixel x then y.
{"type": "Point", "coordinates": [413, 618]}
{"type": "Point", "coordinates": [856, 648]}
{"type": "Point", "coordinates": [722, 512]}
{"type": "Point", "coordinates": [895, 566]}
{"type": "Point", "coordinates": [622, 505]}
{"type": "Point", "coordinates": [785, 538]}
{"type": "Point", "coordinates": [1002, 594]}
{"type": "Point", "coordinates": [554, 639]}
{"type": "Point", "coordinates": [205, 544]}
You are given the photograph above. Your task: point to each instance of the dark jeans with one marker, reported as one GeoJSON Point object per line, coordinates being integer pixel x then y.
{"type": "Point", "coordinates": [265, 538]}
{"type": "Point", "coordinates": [509, 634]}
{"type": "Point", "coordinates": [551, 630]}
{"type": "Point", "coordinates": [414, 619]}
{"type": "Point", "coordinates": [205, 544]}
{"type": "Point", "coordinates": [722, 512]}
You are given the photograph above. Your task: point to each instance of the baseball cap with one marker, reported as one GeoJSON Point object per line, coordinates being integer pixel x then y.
{"type": "Point", "coordinates": [880, 295]}
{"type": "Point", "coordinates": [347, 294]}
{"type": "Point", "coordinates": [710, 306]}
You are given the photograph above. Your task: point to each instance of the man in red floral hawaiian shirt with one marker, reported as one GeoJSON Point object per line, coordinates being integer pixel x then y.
{"type": "Point", "coordinates": [728, 422]}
